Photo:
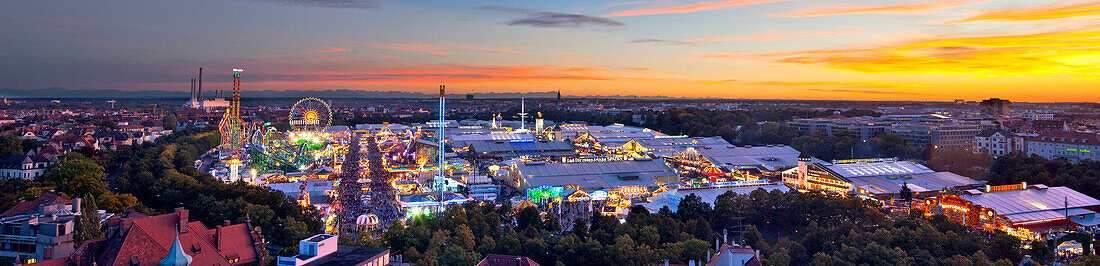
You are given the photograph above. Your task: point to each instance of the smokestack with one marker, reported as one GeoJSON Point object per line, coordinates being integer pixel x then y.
{"type": "Point", "coordinates": [200, 82]}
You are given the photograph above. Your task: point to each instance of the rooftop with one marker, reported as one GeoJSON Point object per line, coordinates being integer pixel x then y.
{"type": "Point", "coordinates": [1032, 199]}
{"type": "Point", "coordinates": [771, 158]}
{"type": "Point", "coordinates": [350, 255]}
{"type": "Point", "coordinates": [877, 168]}
{"type": "Point", "coordinates": [596, 174]}
{"type": "Point", "coordinates": [918, 183]}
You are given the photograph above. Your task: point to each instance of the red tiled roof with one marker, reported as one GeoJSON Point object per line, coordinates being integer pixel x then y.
{"type": "Point", "coordinates": [146, 240]}
{"type": "Point", "coordinates": [62, 261]}
{"type": "Point", "coordinates": [27, 206]}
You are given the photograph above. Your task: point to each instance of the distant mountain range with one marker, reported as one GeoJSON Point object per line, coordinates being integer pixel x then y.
{"type": "Point", "coordinates": [63, 93]}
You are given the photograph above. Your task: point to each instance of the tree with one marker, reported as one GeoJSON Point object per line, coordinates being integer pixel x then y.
{"type": "Point", "coordinates": [464, 237]}
{"type": "Point", "coordinates": [906, 194]}
{"type": "Point", "coordinates": [1004, 246]}
{"type": "Point", "coordinates": [528, 217]}
{"type": "Point", "coordinates": [962, 162]}
{"type": "Point", "coordinates": [453, 255]}
{"type": "Point", "coordinates": [600, 222]}
{"type": "Point", "coordinates": [30, 144]}
{"type": "Point", "coordinates": [10, 145]}
{"type": "Point", "coordinates": [753, 237]}
{"type": "Point", "coordinates": [83, 184]}
{"type": "Point", "coordinates": [60, 174]}
{"type": "Point", "coordinates": [693, 207]}
{"type": "Point", "coordinates": [551, 224]}
{"type": "Point", "coordinates": [1090, 259]}
{"type": "Point", "coordinates": [170, 122]}
{"type": "Point", "coordinates": [1040, 252]}
{"type": "Point", "coordinates": [486, 245]}
{"type": "Point", "coordinates": [827, 260]}
{"type": "Point", "coordinates": [509, 244]}
{"type": "Point", "coordinates": [87, 225]}
{"type": "Point", "coordinates": [580, 228]}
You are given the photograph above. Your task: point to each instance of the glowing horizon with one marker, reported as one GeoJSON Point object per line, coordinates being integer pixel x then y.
{"type": "Point", "coordinates": [922, 50]}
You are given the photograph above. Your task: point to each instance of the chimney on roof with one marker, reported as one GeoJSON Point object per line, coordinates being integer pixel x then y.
{"type": "Point", "coordinates": [182, 223]}
{"type": "Point", "coordinates": [76, 205]}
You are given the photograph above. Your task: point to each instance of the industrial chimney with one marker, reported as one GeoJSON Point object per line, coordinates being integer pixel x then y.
{"type": "Point", "coordinates": [200, 82]}
{"type": "Point", "coordinates": [195, 89]}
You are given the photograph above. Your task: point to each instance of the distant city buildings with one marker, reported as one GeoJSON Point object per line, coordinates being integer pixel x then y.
{"type": "Point", "coordinates": [918, 129]}
{"type": "Point", "coordinates": [26, 166]}
{"type": "Point", "coordinates": [998, 142]}
{"type": "Point", "coordinates": [858, 127]}
{"type": "Point", "coordinates": [938, 135]}
{"type": "Point", "coordinates": [996, 107]}
{"type": "Point", "coordinates": [1074, 146]}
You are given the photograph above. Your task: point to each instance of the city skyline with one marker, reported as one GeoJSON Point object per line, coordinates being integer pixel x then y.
{"type": "Point", "coordinates": [1038, 51]}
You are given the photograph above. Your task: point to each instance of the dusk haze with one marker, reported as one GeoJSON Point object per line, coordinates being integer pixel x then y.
{"type": "Point", "coordinates": [822, 50]}
{"type": "Point", "coordinates": [560, 132]}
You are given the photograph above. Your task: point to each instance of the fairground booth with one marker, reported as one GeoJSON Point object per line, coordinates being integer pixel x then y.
{"type": "Point", "coordinates": [1026, 211]}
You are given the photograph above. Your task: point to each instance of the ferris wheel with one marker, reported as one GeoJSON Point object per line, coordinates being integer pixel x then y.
{"type": "Point", "coordinates": [310, 114]}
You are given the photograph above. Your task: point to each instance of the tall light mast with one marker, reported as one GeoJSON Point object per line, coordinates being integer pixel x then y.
{"type": "Point", "coordinates": [522, 112]}
{"type": "Point", "coordinates": [441, 161]}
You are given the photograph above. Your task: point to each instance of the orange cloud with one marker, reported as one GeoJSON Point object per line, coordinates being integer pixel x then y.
{"type": "Point", "coordinates": [848, 84]}
{"type": "Point", "coordinates": [444, 49]}
{"type": "Point", "coordinates": [581, 69]}
{"type": "Point", "coordinates": [330, 50]}
{"type": "Point", "coordinates": [1049, 53]}
{"type": "Point", "coordinates": [427, 48]}
{"type": "Point", "coordinates": [768, 36]}
{"type": "Point", "coordinates": [503, 50]}
{"type": "Point", "coordinates": [638, 68]}
{"type": "Point", "coordinates": [873, 9]}
{"type": "Point", "coordinates": [703, 6]}
{"type": "Point", "coordinates": [1043, 12]}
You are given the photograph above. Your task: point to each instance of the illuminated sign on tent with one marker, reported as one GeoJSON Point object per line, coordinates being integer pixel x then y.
{"type": "Point", "coordinates": [543, 192]}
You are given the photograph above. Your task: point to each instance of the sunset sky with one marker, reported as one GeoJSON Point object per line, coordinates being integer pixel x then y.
{"type": "Point", "coordinates": [843, 50]}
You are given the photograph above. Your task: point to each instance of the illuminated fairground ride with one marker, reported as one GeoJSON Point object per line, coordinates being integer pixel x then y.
{"type": "Point", "coordinates": [233, 131]}
{"type": "Point", "coordinates": [310, 114]}
{"type": "Point", "coordinates": [271, 150]}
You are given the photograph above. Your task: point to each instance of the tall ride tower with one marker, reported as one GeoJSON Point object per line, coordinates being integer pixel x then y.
{"type": "Point", "coordinates": [236, 105]}
{"type": "Point", "coordinates": [234, 130]}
